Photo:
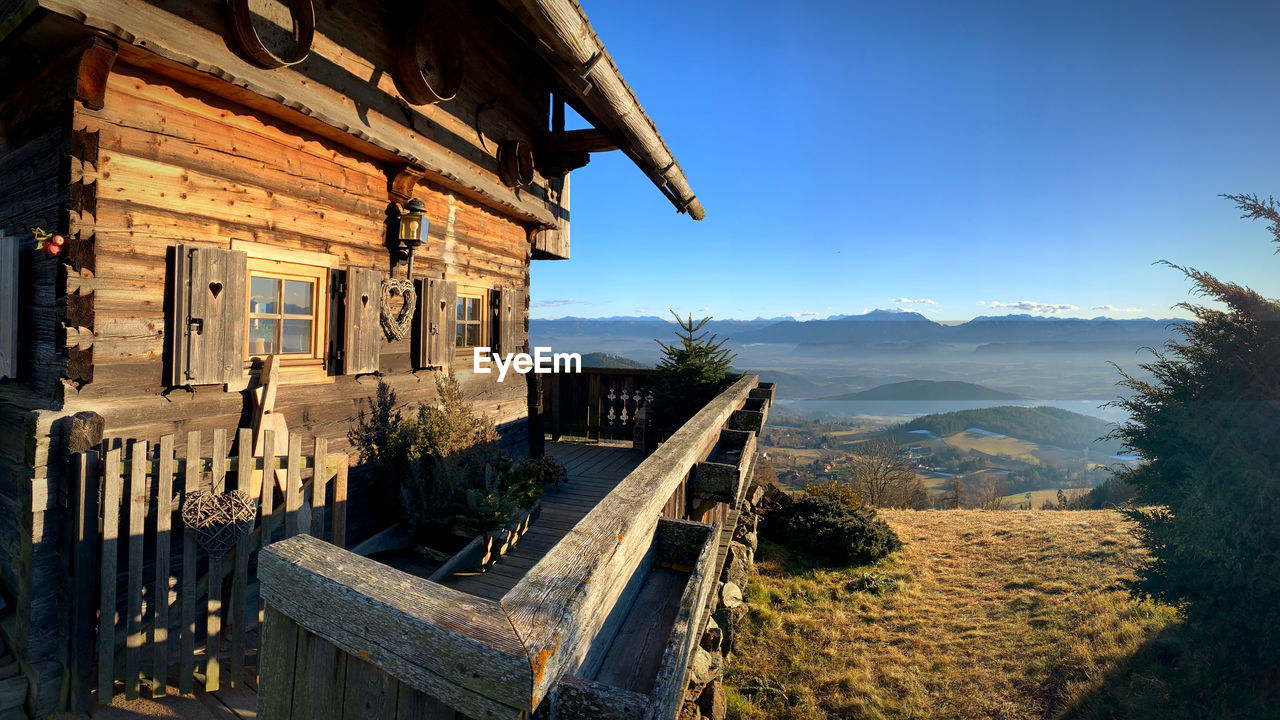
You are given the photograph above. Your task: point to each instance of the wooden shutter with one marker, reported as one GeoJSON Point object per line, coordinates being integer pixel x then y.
{"type": "Point", "coordinates": [364, 298]}
{"type": "Point", "coordinates": [8, 306]}
{"type": "Point", "coordinates": [509, 335]}
{"type": "Point", "coordinates": [209, 310]}
{"type": "Point", "coordinates": [437, 322]}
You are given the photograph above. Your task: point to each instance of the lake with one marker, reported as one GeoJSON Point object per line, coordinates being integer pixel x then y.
{"type": "Point", "coordinates": [906, 409]}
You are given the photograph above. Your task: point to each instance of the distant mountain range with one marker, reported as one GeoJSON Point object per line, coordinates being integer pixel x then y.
{"type": "Point", "coordinates": [929, 390]}
{"type": "Point", "coordinates": [882, 326]}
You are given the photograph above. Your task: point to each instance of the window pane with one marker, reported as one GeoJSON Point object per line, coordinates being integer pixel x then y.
{"type": "Point", "coordinates": [264, 295]}
{"type": "Point", "coordinates": [262, 335]}
{"type": "Point", "coordinates": [473, 335]}
{"type": "Point", "coordinates": [473, 310]}
{"type": "Point", "coordinates": [460, 339]}
{"type": "Point", "coordinates": [297, 336]}
{"type": "Point", "coordinates": [297, 297]}
{"type": "Point", "coordinates": [462, 308]}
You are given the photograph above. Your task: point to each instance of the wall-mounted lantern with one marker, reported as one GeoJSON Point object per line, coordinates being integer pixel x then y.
{"type": "Point", "coordinates": [413, 228]}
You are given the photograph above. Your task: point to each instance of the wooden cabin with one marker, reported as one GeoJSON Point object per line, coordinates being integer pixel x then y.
{"type": "Point", "coordinates": [231, 181]}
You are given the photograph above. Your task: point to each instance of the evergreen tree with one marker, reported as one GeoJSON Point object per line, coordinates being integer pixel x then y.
{"type": "Point", "coordinates": [1207, 426]}
{"type": "Point", "coordinates": [691, 373]}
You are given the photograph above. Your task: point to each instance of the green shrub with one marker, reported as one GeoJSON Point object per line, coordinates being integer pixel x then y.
{"type": "Point", "coordinates": [442, 463]}
{"type": "Point", "coordinates": [834, 490]}
{"type": "Point", "coordinates": [832, 531]}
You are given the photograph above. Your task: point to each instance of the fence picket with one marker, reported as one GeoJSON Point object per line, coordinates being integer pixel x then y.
{"type": "Point", "coordinates": [340, 504]}
{"type": "Point", "coordinates": [319, 480]}
{"type": "Point", "coordinates": [160, 595]}
{"type": "Point", "coordinates": [111, 493]}
{"type": "Point", "coordinates": [187, 660]}
{"type": "Point", "coordinates": [239, 589]}
{"type": "Point", "coordinates": [85, 569]}
{"type": "Point", "coordinates": [293, 488]}
{"type": "Point", "coordinates": [130, 483]}
{"type": "Point", "coordinates": [213, 623]}
{"type": "Point", "coordinates": [137, 531]}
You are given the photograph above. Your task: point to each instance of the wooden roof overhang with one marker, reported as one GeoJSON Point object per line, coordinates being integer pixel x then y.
{"type": "Point", "coordinates": [597, 91]}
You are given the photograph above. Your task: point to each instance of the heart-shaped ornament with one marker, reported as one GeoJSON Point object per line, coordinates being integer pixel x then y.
{"type": "Point", "coordinates": [219, 520]}
{"type": "Point", "coordinates": [396, 324]}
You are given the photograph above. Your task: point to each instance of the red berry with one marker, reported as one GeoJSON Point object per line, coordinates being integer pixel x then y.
{"type": "Point", "coordinates": [58, 240]}
{"type": "Point", "coordinates": [52, 249]}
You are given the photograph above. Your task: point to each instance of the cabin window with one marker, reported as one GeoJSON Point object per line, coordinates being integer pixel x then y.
{"type": "Point", "coordinates": [287, 313]}
{"type": "Point", "coordinates": [472, 329]}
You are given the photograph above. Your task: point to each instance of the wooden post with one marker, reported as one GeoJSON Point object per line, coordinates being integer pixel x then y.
{"type": "Point", "coordinates": [160, 594]}
{"type": "Point", "coordinates": [537, 434]}
{"type": "Point", "coordinates": [319, 485]}
{"type": "Point", "coordinates": [138, 501]}
{"type": "Point", "coordinates": [240, 582]}
{"type": "Point", "coordinates": [111, 493]}
{"type": "Point", "coordinates": [187, 658]}
{"type": "Point", "coordinates": [293, 488]}
{"type": "Point", "coordinates": [340, 504]}
{"type": "Point", "coordinates": [87, 474]}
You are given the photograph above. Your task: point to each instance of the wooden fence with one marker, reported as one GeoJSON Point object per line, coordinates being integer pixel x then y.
{"type": "Point", "coordinates": [159, 605]}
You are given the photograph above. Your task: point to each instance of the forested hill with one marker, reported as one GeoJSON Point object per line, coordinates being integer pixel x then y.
{"type": "Point", "coordinates": [1042, 425]}
{"type": "Point", "coordinates": [929, 390]}
{"type": "Point", "coordinates": [609, 360]}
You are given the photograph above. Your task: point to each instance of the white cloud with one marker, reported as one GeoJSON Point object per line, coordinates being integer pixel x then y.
{"type": "Point", "coordinates": [1035, 307]}
{"type": "Point", "coordinates": [1113, 308]}
{"type": "Point", "coordinates": [642, 311]}
{"type": "Point", "coordinates": [909, 301]}
{"type": "Point", "coordinates": [807, 315]}
{"type": "Point", "coordinates": [704, 309]}
{"type": "Point", "coordinates": [556, 303]}
{"type": "Point", "coordinates": [982, 302]}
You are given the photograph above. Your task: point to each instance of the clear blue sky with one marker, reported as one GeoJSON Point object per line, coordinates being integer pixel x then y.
{"type": "Point", "coordinates": [854, 155]}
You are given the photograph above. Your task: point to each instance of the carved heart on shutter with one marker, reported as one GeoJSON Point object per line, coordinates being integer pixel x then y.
{"type": "Point", "coordinates": [364, 301]}
{"type": "Point", "coordinates": [215, 288]}
{"type": "Point", "coordinates": [397, 325]}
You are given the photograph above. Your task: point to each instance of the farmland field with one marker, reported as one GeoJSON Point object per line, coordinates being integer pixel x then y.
{"type": "Point", "coordinates": [984, 443]}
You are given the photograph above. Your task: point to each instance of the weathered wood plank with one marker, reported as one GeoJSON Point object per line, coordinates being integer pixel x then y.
{"type": "Point", "coordinates": [138, 502]}
{"type": "Point", "coordinates": [293, 488]}
{"type": "Point", "coordinates": [278, 658]}
{"type": "Point", "coordinates": [686, 631]}
{"type": "Point", "coordinates": [319, 486]}
{"type": "Point", "coordinates": [363, 329]}
{"type": "Point", "coordinates": [87, 479]}
{"type": "Point", "coordinates": [339, 510]}
{"type": "Point", "coordinates": [319, 679]}
{"type": "Point", "coordinates": [451, 645]}
{"type": "Point", "coordinates": [160, 592]}
{"type": "Point", "coordinates": [240, 574]}
{"type": "Point", "coordinates": [591, 566]}
{"type": "Point", "coordinates": [416, 705]}
{"type": "Point", "coordinates": [187, 656]}
{"type": "Point", "coordinates": [213, 627]}
{"type": "Point", "coordinates": [370, 693]}
{"type": "Point", "coordinates": [112, 491]}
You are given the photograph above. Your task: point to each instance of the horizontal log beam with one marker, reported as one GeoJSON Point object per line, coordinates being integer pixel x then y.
{"type": "Point", "coordinates": [590, 140]}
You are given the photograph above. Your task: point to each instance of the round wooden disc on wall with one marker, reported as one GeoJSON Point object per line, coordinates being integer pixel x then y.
{"type": "Point", "coordinates": [429, 56]}
{"type": "Point", "coordinates": [273, 33]}
{"type": "Point", "coordinates": [515, 163]}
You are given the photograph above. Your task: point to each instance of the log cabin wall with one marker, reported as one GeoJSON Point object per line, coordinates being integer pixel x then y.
{"type": "Point", "coordinates": [188, 143]}
{"type": "Point", "coordinates": [177, 165]}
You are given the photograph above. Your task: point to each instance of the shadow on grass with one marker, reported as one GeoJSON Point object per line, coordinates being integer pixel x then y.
{"type": "Point", "coordinates": [1184, 672]}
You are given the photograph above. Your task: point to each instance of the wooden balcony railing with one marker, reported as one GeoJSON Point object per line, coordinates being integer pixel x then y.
{"type": "Point", "coordinates": [599, 404]}
{"type": "Point", "coordinates": [636, 566]}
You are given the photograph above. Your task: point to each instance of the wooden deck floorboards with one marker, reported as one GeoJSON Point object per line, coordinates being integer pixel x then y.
{"type": "Point", "coordinates": [593, 470]}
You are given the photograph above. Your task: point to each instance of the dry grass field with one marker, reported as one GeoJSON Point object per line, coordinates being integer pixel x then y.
{"type": "Point", "coordinates": [984, 614]}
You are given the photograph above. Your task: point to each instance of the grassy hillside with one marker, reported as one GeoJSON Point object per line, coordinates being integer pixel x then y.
{"type": "Point", "coordinates": [1010, 615]}
{"type": "Point", "coordinates": [1042, 425]}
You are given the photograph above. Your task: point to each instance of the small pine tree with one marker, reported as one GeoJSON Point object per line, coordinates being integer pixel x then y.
{"type": "Point", "coordinates": [691, 373]}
